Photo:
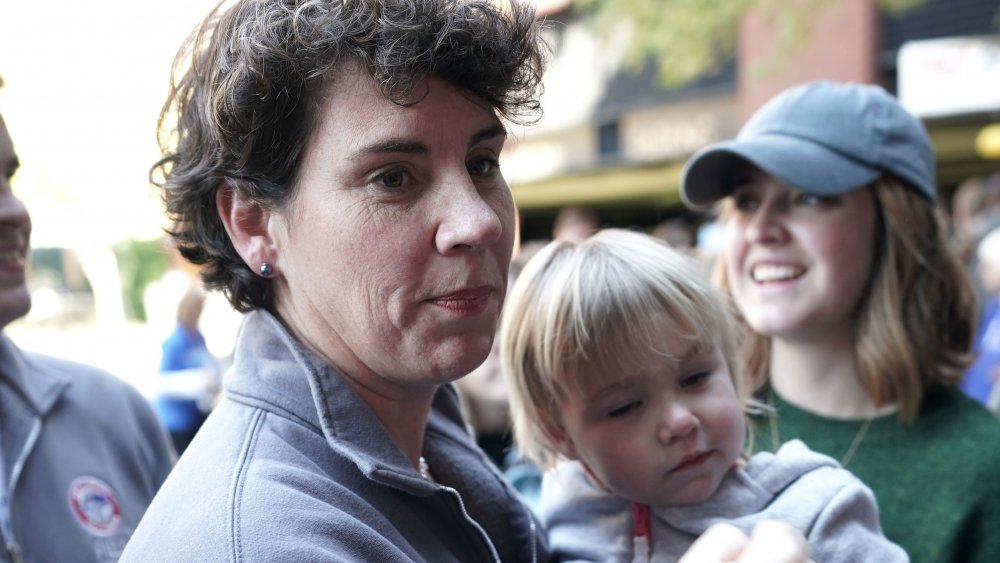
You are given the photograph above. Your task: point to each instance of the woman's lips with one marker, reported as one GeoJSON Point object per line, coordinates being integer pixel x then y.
{"type": "Point", "coordinates": [466, 301]}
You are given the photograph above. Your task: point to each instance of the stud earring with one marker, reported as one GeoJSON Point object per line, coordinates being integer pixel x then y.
{"type": "Point", "coordinates": [265, 269]}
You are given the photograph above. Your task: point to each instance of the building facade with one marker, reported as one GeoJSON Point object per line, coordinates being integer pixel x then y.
{"type": "Point", "coordinates": [615, 140]}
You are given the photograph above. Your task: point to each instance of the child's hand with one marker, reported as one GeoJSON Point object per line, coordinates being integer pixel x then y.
{"type": "Point", "coordinates": [770, 542]}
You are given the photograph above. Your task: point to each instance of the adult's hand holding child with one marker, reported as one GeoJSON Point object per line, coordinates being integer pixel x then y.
{"type": "Point", "coordinates": [770, 542]}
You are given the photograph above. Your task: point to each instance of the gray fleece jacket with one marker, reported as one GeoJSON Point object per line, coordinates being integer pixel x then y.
{"type": "Point", "coordinates": [835, 511]}
{"type": "Point", "coordinates": [293, 466]}
{"type": "Point", "coordinates": [83, 455]}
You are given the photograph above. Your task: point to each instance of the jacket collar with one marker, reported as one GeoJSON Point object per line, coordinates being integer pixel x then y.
{"type": "Point", "coordinates": [272, 371]}
{"type": "Point", "coordinates": [275, 372]}
{"type": "Point", "coordinates": [40, 389]}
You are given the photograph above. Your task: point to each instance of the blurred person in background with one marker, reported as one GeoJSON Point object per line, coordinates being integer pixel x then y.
{"type": "Point", "coordinates": [575, 223]}
{"type": "Point", "coordinates": [81, 452]}
{"type": "Point", "coordinates": [677, 233]}
{"type": "Point", "coordinates": [333, 167]}
{"type": "Point", "coordinates": [975, 210]}
{"type": "Point", "coordinates": [980, 381]}
{"type": "Point", "coordinates": [859, 314]}
{"type": "Point", "coordinates": [189, 374]}
{"type": "Point", "coordinates": [485, 407]}
{"type": "Point", "coordinates": [483, 392]}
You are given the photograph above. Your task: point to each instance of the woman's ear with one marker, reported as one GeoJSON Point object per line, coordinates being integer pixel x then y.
{"type": "Point", "coordinates": [246, 221]}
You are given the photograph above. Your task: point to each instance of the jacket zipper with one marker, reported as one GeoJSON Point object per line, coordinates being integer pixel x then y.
{"type": "Point", "coordinates": [469, 519]}
{"type": "Point", "coordinates": [486, 537]}
{"type": "Point", "coordinates": [14, 548]}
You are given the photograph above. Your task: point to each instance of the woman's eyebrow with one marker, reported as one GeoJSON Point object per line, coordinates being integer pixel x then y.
{"type": "Point", "coordinates": [392, 146]}
{"type": "Point", "coordinates": [488, 133]}
{"type": "Point", "coordinates": [399, 145]}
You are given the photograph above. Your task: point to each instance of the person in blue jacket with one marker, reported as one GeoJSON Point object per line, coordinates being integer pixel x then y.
{"type": "Point", "coordinates": [980, 380]}
{"type": "Point", "coordinates": [81, 452]}
{"type": "Point", "coordinates": [189, 373]}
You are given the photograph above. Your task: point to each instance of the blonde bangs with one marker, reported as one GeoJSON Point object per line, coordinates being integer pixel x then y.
{"type": "Point", "coordinates": [600, 304]}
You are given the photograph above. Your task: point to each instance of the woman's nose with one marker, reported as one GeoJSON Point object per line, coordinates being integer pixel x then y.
{"type": "Point", "coordinates": [472, 220]}
{"type": "Point", "coordinates": [765, 225]}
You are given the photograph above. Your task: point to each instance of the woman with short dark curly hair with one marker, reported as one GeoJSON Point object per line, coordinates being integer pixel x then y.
{"type": "Point", "coordinates": [333, 168]}
{"type": "Point", "coordinates": [249, 82]}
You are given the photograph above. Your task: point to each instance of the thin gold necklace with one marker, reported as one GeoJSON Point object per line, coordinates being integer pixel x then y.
{"type": "Point", "coordinates": [848, 456]}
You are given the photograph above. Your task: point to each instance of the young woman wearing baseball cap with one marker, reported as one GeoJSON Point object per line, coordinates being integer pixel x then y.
{"type": "Point", "coordinates": [859, 318]}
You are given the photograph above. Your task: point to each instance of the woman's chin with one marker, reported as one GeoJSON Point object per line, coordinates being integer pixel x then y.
{"type": "Point", "coordinates": [458, 363]}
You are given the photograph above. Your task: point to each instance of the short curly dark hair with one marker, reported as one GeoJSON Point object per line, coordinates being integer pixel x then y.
{"type": "Point", "coordinates": [245, 90]}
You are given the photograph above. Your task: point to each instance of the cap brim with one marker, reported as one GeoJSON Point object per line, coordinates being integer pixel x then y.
{"type": "Point", "coordinates": [708, 175]}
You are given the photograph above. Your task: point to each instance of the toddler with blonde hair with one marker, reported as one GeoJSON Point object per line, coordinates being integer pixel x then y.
{"type": "Point", "coordinates": [625, 384]}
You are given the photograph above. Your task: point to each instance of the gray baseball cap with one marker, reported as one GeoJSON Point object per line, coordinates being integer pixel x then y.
{"type": "Point", "coordinates": [824, 138]}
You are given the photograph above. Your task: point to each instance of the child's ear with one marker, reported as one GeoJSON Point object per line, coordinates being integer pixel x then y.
{"type": "Point", "coordinates": [557, 436]}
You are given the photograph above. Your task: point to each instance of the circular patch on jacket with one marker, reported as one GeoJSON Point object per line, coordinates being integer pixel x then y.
{"type": "Point", "coordinates": [94, 505]}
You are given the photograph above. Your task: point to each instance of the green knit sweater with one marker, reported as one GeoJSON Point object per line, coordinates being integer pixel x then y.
{"type": "Point", "coordinates": [937, 482]}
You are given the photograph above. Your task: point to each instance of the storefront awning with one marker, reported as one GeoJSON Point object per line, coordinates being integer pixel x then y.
{"type": "Point", "coordinates": [954, 144]}
{"type": "Point", "coordinates": [642, 184]}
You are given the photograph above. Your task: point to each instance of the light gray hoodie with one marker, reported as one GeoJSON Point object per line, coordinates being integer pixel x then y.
{"type": "Point", "coordinates": [835, 511]}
